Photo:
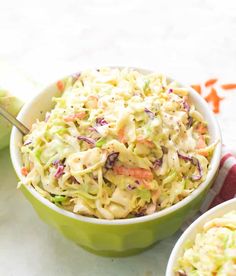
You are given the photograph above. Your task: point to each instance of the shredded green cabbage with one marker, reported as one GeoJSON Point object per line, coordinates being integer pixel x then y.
{"type": "Point", "coordinates": [118, 144]}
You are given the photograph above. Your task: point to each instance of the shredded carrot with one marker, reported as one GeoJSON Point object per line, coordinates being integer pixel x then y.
{"type": "Point", "coordinates": [228, 86]}
{"type": "Point", "coordinates": [201, 146]}
{"type": "Point", "coordinates": [147, 143]}
{"type": "Point", "coordinates": [79, 115]}
{"type": "Point", "coordinates": [70, 118]}
{"type": "Point", "coordinates": [197, 87]}
{"type": "Point", "coordinates": [147, 184]}
{"type": "Point", "coordinates": [201, 143]}
{"type": "Point", "coordinates": [210, 82]}
{"type": "Point", "coordinates": [138, 173]}
{"type": "Point", "coordinates": [203, 153]}
{"type": "Point", "coordinates": [92, 98]}
{"type": "Point", "coordinates": [215, 99]}
{"type": "Point", "coordinates": [185, 98]}
{"type": "Point", "coordinates": [24, 171]}
{"type": "Point", "coordinates": [60, 86]}
{"type": "Point", "coordinates": [201, 129]}
{"type": "Point", "coordinates": [121, 135]}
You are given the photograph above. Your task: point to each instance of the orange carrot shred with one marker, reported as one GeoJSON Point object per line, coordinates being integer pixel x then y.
{"type": "Point", "coordinates": [203, 153]}
{"type": "Point", "coordinates": [197, 87]}
{"type": "Point", "coordinates": [60, 86]}
{"type": "Point", "coordinates": [228, 86]}
{"type": "Point", "coordinates": [201, 128]}
{"type": "Point", "coordinates": [210, 82]}
{"type": "Point", "coordinates": [121, 135]}
{"type": "Point", "coordinates": [201, 146]}
{"type": "Point", "coordinates": [201, 143]}
{"type": "Point", "coordinates": [146, 142]}
{"type": "Point", "coordinates": [215, 99]}
{"type": "Point", "coordinates": [24, 171]}
{"type": "Point", "coordinates": [138, 173]}
{"type": "Point", "coordinates": [71, 118]}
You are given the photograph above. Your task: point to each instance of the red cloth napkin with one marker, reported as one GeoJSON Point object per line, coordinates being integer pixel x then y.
{"type": "Point", "coordinates": [224, 187]}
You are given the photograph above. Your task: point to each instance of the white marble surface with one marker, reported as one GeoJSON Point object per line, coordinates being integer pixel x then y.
{"type": "Point", "coordinates": [40, 41]}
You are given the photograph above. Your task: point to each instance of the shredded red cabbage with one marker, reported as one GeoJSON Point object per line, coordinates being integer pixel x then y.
{"type": "Point", "coordinates": [101, 121]}
{"type": "Point", "coordinates": [27, 142]}
{"type": "Point", "coordinates": [180, 273]}
{"type": "Point", "coordinates": [75, 77]}
{"type": "Point", "coordinates": [48, 114]}
{"type": "Point", "coordinates": [157, 164]}
{"type": "Point", "coordinates": [130, 188]}
{"type": "Point", "coordinates": [93, 129]}
{"type": "Point", "coordinates": [149, 113]}
{"type": "Point", "coordinates": [87, 140]}
{"type": "Point", "coordinates": [190, 121]}
{"type": "Point", "coordinates": [59, 172]}
{"type": "Point", "coordinates": [185, 157]}
{"type": "Point", "coordinates": [195, 162]}
{"type": "Point", "coordinates": [56, 163]}
{"type": "Point", "coordinates": [199, 175]}
{"type": "Point", "coordinates": [170, 90]}
{"type": "Point", "coordinates": [111, 159]}
{"type": "Point", "coordinates": [139, 214]}
{"type": "Point", "coordinates": [186, 106]}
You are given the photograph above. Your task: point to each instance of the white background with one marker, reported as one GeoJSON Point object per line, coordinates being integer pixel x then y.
{"type": "Point", "coordinates": [41, 41]}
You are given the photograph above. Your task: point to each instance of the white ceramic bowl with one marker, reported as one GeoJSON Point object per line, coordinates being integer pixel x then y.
{"type": "Point", "coordinates": [123, 236]}
{"type": "Point", "coordinates": [193, 229]}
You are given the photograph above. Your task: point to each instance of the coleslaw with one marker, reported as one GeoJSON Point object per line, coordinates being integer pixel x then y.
{"type": "Point", "coordinates": [213, 252]}
{"type": "Point", "coordinates": [118, 144]}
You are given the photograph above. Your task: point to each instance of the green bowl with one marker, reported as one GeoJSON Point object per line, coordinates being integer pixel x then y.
{"type": "Point", "coordinates": [119, 237]}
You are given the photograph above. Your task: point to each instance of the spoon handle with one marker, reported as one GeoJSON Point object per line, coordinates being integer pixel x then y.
{"type": "Point", "coordinates": [22, 128]}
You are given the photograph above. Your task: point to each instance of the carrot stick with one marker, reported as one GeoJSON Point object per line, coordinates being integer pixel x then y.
{"type": "Point", "coordinates": [203, 153]}
{"type": "Point", "coordinates": [197, 87]}
{"type": "Point", "coordinates": [201, 146]}
{"type": "Point", "coordinates": [146, 142]}
{"type": "Point", "coordinates": [24, 171]}
{"type": "Point", "coordinates": [60, 85]}
{"type": "Point", "coordinates": [121, 135]}
{"type": "Point", "coordinates": [138, 173]}
{"type": "Point", "coordinates": [215, 99]}
{"type": "Point", "coordinates": [228, 86]}
{"type": "Point", "coordinates": [201, 129]}
{"type": "Point", "coordinates": [71, 118]}
{"type": "Point", "coordinates": [201, 143]}
{"type": "Point", "coordinates": [210, 82]}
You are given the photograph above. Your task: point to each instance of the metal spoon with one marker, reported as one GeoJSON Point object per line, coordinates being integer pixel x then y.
{"type": "Point", "coordinates": [22, 128]}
